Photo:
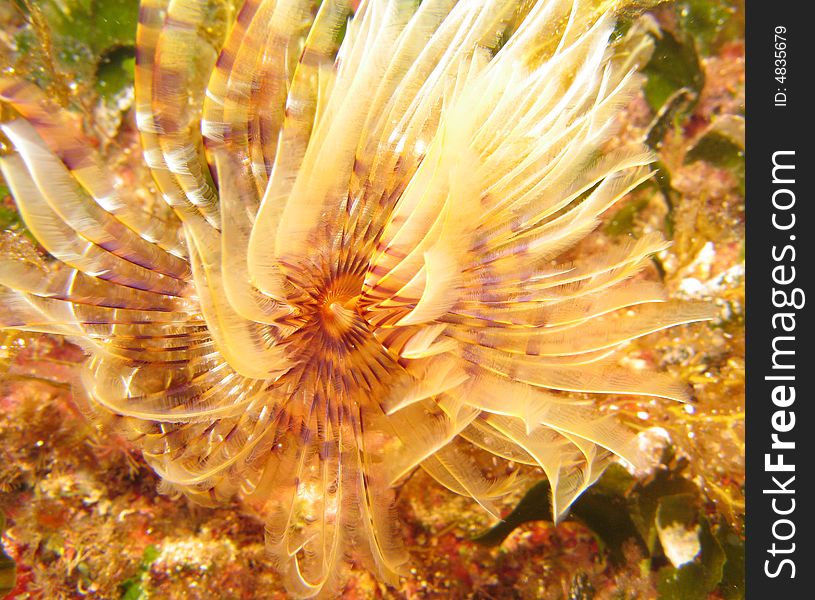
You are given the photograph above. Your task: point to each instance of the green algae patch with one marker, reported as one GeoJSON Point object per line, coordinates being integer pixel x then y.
{"type": "Point", "coordinates": [663, 517]}
{"type": "Point", "coordinates": [674, 66]}
{"type": "Point", "coordinates": [8, 568]}
{"type": "Point", "coordinates": [91, 39]}
{"type": "Point", "coordinates": [133, 588]}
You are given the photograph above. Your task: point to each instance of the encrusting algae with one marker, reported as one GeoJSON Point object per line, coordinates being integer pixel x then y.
{"type": "Point", "coordinates": [366, 268]}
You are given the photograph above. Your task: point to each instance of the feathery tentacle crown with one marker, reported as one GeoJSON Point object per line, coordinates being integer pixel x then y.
{"type": "Point", "coordinates": [363, 270]}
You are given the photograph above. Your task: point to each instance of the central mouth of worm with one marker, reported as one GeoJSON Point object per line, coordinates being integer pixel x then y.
{"type": "Point", "coordinates": [337, 315]}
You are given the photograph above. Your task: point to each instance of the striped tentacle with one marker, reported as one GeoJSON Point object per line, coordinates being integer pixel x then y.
{"type": "Point", "coordinates": [152, 18]}
{"type": "Point", "coordinates": [185, 53]}
{"type": "Point", "coordinates": [61, 134]}
{"type": "Point", "coordinates": [479, 278]}
{"type": "Point", "coordinates": [232, 100]}
{"type": "Point", "coordinates": [310, 86]}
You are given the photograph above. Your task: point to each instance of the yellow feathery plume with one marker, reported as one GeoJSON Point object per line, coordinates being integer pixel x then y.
{"type": "Point", "coordinates": [364, 271]}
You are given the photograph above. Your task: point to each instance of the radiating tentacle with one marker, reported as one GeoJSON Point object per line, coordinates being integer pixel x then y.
{"type": "Point", "coordinates": [55, 126]}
